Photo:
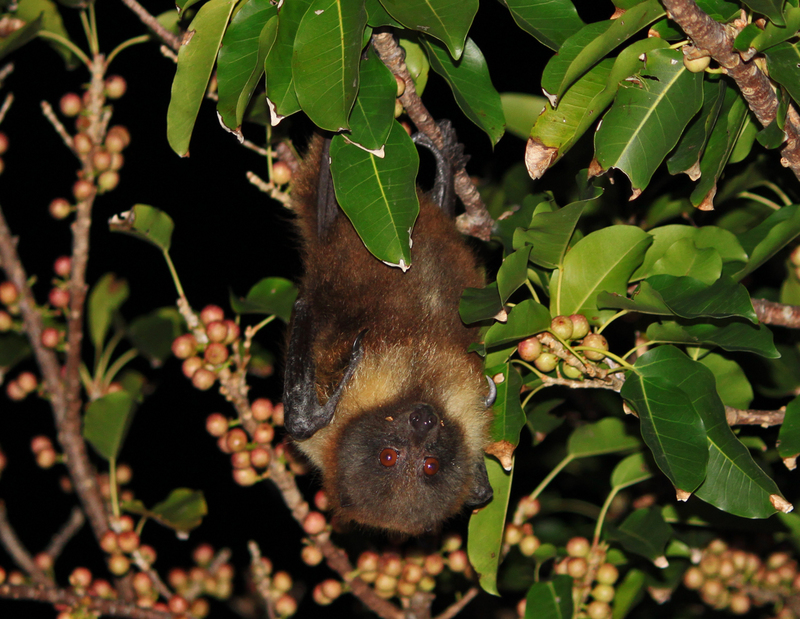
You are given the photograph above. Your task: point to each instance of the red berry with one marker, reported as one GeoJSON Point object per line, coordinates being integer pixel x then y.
{"type": "Point", "coordinates": [216, 424]}
{"type": "Point", "coordinates": [594, 340]}
{"type": "Point", "coordinates": [245, 477]}
{"type": "Point", "coordinates": [562, 327]}
{"type": "Point", "coordinates": [216, 353]}
{"type": "Point", "coordinates": [63, 266]}
{"type": "Point", "coordinates": [82, 190]}
{"type": "Point", "coordinates": [128, 541]}
{"type": "Point", "coordinates": [457, 561]}
{"type": "Point", "coordinates": [80, 578]}
{"type": "Point", "coordinates": [529, 349]}
{"type": "Point", "coordinates": [28, 381]}
{"type": "Point", "coordinates": [58, 297]}
{"type": "Point", "coordinates": [40, 443]}
{"type": "Point", "coordinates": [311, 555]}
{"type": "Point", "coordinates": [70, 104]}
{"type": "Point", "coordinates": [260, 457]}
{"type": "Point", "coordinates": [117, 161]}
{"type": "Point", "coordinates": [178, 605]}
{"type": "Point", "coordinates": [82, 144]}
{"type": "Point", "coordinates": [46, 458]}
{"type": "Point", "coordinates": [108, 543]}
{"type": "Point", "coordinates": [203, 379]}
{"type": "Point", "coordinates": [263, 434]}
{"type": "Point", "coordinates": [211, 313]}
{"type": "Point", "coordinates": [203, 555]}
{"type": "Point", "coordinates": [233, 331]}
{"type": "Point", "coordinates": [15, 392]}
{"type": "Point", "coordinates": [101, 160]}
{"type": "Point", "coordinates": [3, 143]}
{"type": "Point", "coordinates": [142, 583]}
{"type": "Point", "coordinates": [50, 337]}
{"type": "Point", "coordinates": [115, 86]}
{"type": "Point", "coordinates": [217, 331]}
{"type": "Point", "coordinates": [261, 409]}
{"type": "Point", "coordinates": [236, 440]}
{"type": "Point", "coordinates": [240, 460]}
{"type": "Point", "coordinates": [8, 293]}
{"type": "Point", "coordinates": [59, 208]}
{"type": "Point", "coordinates": [314, 523]}
{"type": "Point", "coordinates": [117, 139]}
{"type": "Point", "coordinates": [184, 346]}
{"type": "Point", "coordinates": [191, 365]}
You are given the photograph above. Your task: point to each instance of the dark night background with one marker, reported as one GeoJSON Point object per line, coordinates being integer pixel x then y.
{"type": "Point", "coordinates": [227, 236]}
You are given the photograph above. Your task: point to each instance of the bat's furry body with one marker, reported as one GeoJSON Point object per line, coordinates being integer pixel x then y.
{"type": "Point", "coordinates": [408, 384]}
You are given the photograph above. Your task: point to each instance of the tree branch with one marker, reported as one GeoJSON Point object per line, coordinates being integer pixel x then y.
{"type": "Point", "coordinates": [67, 532]}
{"type": "Point", "coordinates": [777, 314]}
{"type": "Point", "coordinates": [151, 22]}
{"type": "Point", "coordinates": [18, 552]}
{"type": "Point", "coordinates": [708, 34]}
{"type": "Point", "coordinates": [739, 417]}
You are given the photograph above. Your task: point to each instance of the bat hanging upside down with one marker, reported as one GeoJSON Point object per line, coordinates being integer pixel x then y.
{"type": "Point", "coordinates": [380, 391]}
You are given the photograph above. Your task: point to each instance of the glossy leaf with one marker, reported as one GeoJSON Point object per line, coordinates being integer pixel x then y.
{"type": "Point", "coordinates": [789, 435]}
{"type": "Point", "coordinates": [14, 347]}
{"type": "Point", "coordinates": [485, 535]}
{"type": "Point", "coordinates": [479, 304]}
{"type": "Point", "coordinates": [770, 8]}
{"type": "Point", "coordinates": [727, 334]}
{"type": "Point", "coordinates": [468, 78]}
{"type": "Point", "coordinates": [45, 16]}
{"type": "Point", "coordinates": [379, 195]}
{"type": "Point", "coordinates": [196, 59]}
{"type": "Point", "coordinates": [521, 111]}
{"type": "Point", "coordinates": [670, 424]}
{"type": "Point", "coordinates": [601, 262]}
{"type": "Point", "coordinates": [606, 436]}
{"type": "Point", "coordinates": [147, 223]}
{"type": "Point", "coordinates": [513, 273]}
{"type": "Point", "coordinates": [550, 233]}
{"type": "Point", "coordinates": [767, 238]}
{"type": "Point", "coordinates": [685, 297]}
{"type": "Point", "coordinates": [550, 23]}
{"type": "Point", "coordinates": [22, 35]}
{"type": "Point", "coordinates": [632, 470]}
{"type": "Point", "coordinates": [281, 94]}
{"type": "Point", "coordinates": [550, 599]}
{"type": "Point", "coordinates": [105, 299]}
{"type": "Point", "coordinates": [720, 145]}
{"type": "Point", "coordinates": [648, 116]}
{"type": "Point", "coordinates": [592, 43]}
{"type": "Point", "coordinates": [152, 334]}
{"type": "Point", "coordinates": [692, 143]}
{"type": "Point", "coordinates": [272, 295]}
{"type": "Point", "coordinates": [732, 385]}
{"type": "Point", "coordinates": [629, 593]}
{"type": "Point", "coordinates": [583, 104]}
{"type": "Point", "coordinates": [240, 63]}
{"type": "Point", "coordinates": [447, 20]}
{"type": "Point", "coordinates": [373, 112]}
{"type": "Point", "coordinates": [525, 319]}
{"type": "Point", "coordinates": [377, 15]}
{"type": "Point", "coordinates": [107, 421]}
{"type": "Point", "coordinates": [538, 418]}
{"type": "Point", "coordinates": [644, 532]}
{"type": "Point", "coordinates": [182, 510]}
{"type": "Point", "coordinates": [325, 61]}
{"type": "Point", "coordinates": [683, 257]}
{"type": "Point", "coordinates": [722, 241]}
{"type": "Point", "coordinates": [772, 34]}
{"type": "Point", "coordinates": [509, 417]}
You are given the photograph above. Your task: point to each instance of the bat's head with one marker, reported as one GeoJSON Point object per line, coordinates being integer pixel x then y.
{"type": "Point", "coordinates": [405, 468]}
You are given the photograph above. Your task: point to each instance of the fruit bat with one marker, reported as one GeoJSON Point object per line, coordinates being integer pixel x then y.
{"type": "Point", "coordinates": [380, 391]}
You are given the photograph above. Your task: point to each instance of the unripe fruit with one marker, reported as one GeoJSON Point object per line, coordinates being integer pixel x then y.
{"type": "Point", "coordinates": [216, 353]}
{"type": "Point", "coordinates": [513, 534]}
{"type": "Point", "coordinates": [321, 501]}
{"type": "Point", "coordinates": [390, 564]}
{"type": "Point", "coordinates": [191, 365]}
{"type": "Point", "coordinates": [546, 362]}
{"type": "Point", "coordinates": [398, 108]}
{"type": "Point", "coordinates": [82, 190]}
{"type": "Point", "coordinates": [401, 85]}
{"type": "Point", "coordinates": [603, 593]}
{"type": "Point", "coordinates": [211, 313]}
{"type": "Point", "coordinates": [260, 458]}
{"type": "Point", "coordinates": [217, 331]}
{"type": "Point", "coordinates": [739, 603]}
{"type": "Point", "coordinates": [580, 326]}
{"type": "Point", "coordinates": [598, 610]}
{"type": "Point", "coordinates": [434, 564]}
{"type": "Point", "coordinates": [142, 583]}
{"type": "Point", "coordinates": [240, 460]}
{"type": "Point", "coordinates": [319, 597]}
{"type": "Point", "coordinates": [577, 567]}
{"type": "Point", "coordinates": [184, 346]}
{"type": "Point", "coordinates": [58, 297]}
{"type": "Point", "coordinates": [236, 440]}
{"type": "Point", "coordinates": [216, 424]}
{"type": "Point", "coordinates": [45, 563]}
{"type": "Point", "coordinates": [794, 257]}
{"type": "Point", "coordinates": [412, 573]}
{"type": "Point", "coordinates": [451, 542]}
{"type": "Point", "coordinates": [314, 523]}
{"type": "Point", "coordinates": [261, 409]}
{"type": "Point", "coordinates": [311, 555]}
{"type": "Point", "coordinates": [607, 574]}
{"type": "Point", "coordinates": [70, 105]}
{"type": "Point", "coordinates": [118, 564]}
{"type": "Point", "coordinates": [102, 588]}
{"type": "Point", "coordinates": [594, 340]}
{"type": "Point", "coordinates": [8, 293]}
{"type": "Point", "coordinates": [50, 337]}
{"type": "Point", "coordinates": [80, 578]}
{"type": "Point", "coordinates": [578, 547]}
{"type": "Point", "coordinates": [101, 160]}
{"type": "Point", "coordinates": [200, 608]}
{"type": "Point", "coordinates": [62, 266]}
{"type": "Point", "coordinates": [282, 582]}
{"type": "Point", "coordinates": [82, 144]}
{"type": "Point", "coordinates": [108, 543]}
{"type": "Point", "coordinates": [233, 331]}
{"type": "Point", "coordinates": [529, 349]}
{"type": "Point", "coordinates": [693, 578]}
{"type": "Point", "coordinates": [117, 161]}
{"type": "Point", "coordinates": [59, 208]}
{"type": "Point", "coordinates": [561, 326]}
{"type": "Point", "coordinates": [178, 605]}
{"type": "Point", "coordinates": [117, 139]}
{"type": "Point", "coordinates": [3, 143]}
{"type": "Point", "coordinates": [15, 392]}
{"type": "Point", "coordinates": [457, 561]}
{"type": "Point", "coordinates": [245, 477]}
{"type": "Point", "coordinates": [203, 379]}
{"type": "Point", "coordinates": [107, 181]}
{"type": "Point", "coordinates": [263, 434]}
{"type": "Point", "coordinates": [6, 322]}
{"type": "Point", "coordinates": [696, 65]}
{"type": "Point", "coordinates": [368, 561]}
{"type": "Point", "coordinates": [115, 86]}
{"type": "Point", "coordinates": [570, 371]}
{"type": "Point", "coordinates": [286, 605]}
{"type": "Point", "coordinates": [529, 545]}
{"type": "Point", "coordinates": [331, 588]}
{"type": "Point", "coordinates": [128, 541]}
{"type": "Point", "coordinates": [82, 123]}
{"type": "Point", "coordinates": [281, 173]}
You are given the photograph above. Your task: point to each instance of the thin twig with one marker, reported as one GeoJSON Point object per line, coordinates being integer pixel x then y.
{"type": "Point", "coordinates": [50, 115]}
{"type": "Point", "coordinates": [777, 314]}
{"type": "Point", "coordinates": [739, 417]}
{"type": "Point", "coordinates": [151, 22]}
{"type": "Point", "coordinates": [455, 608]}
{"type": "Point", "coordinates": [17, 550]}
{"type": "Point", "coordinates": [6, 106]}
{"type": "Point", "coordinates": [67, 532]}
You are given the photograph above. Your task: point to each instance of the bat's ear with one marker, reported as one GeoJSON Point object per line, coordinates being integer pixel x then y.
{"type": "Point", "coordinates": [481, 492]}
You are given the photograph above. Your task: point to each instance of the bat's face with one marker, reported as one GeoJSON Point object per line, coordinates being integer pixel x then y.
{"type": "Point", "coordinates": [403, 468]}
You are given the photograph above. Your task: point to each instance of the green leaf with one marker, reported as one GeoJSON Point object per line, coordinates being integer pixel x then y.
{"type": "Point", "coordinates": [538, 417]}
{"type": "Point", "coordinates": [692, 143]}
{"type": "Point", "coordinates": [147, 223]}
{"type": "Point", "coordinates": [727, 334]}
{"type": "Point", "coordinates": [379, 195]}
{"type": "Point", "coordinates": [447, 20]}
{"type": "Point", "coordinates": [22, 35]}
{"type": "Point", "coordinates": [521, 111]}
{"type": "Point", "coordinates": [683, 257]}
{"type": "Point", "coordinates": [767, 238]}
{"type": "Point", "coordinates": [550, 23]}
{"type": "Point", "coordinates": [789, 435]}
{"type": "Point", "coordinates": [671, 425]}
{"type": "Point", "coordinates": [281, 95]}
{"type": "Point", "coordinates": [550, 599]}
{"type": "Point", "coordinates": [601, 262]}
{"type": "Point", "coordinates": [14, 348]}
{"type": "Point", "coordinates": [377, 15]}
{"type": "Point", "coordinates": [732, 385]}
{"type": "Point", "coordinates": [195, 62]}
{"type": "Point", "coordinates": [628, 593]}
{"type": "Point", "coordinates": [105, 299]}
{"type": "Point", "coordinates": [550, 233]}
{"type": "Point", "coordinates": [722, 241]}
{"type": "Point", "coordinates": [773, 135]}
{"type": "Point", "coordinates": [46, 17]}
{"type": "Point", "coordinates": [241, 58]}
{"type": "Point", "coordinates": [182, 510]}
{"type": "Point", "coordinates": [107, 421]}
{"type": "Point", "coordinates": [648, 117]}
{"type": "Point", "coordinates": [644, 532]}
{"type": "Point", "coordinates": [630, 471]}
{"type": "Point", "coordinates": [469, 79]}
{"type": "Point", "coordinates": [325, 61]}
{"type": "Point", "coordinates": [509, 417]}
{"type": "Point", "coordinates": [485, 535]}
{"type": "Point", "coordinates": [770, 8]}
{"type": "Point", "coordinates": [724, 136]}
{"type": "Point", "coordinates": [513, 273]}
{"type": "Point", "coordinates": [152, 334]}
{"type": "Point", "coordinates": [525, 319]}
{"type": "Point", "coordinates": [606, 436]}
{"type": "Point", "coordinates": [479, 304]}
{"type": "Point", "coordinates": [373, 113]}
{"type": "Point", "coordinates": [592, 43]}
{"type": "Point", "coordinates": [271, 295]}
{"type": "Point", "coordinates": [685, 297]}
{"type": "Point", "coordinates": [772, 34]}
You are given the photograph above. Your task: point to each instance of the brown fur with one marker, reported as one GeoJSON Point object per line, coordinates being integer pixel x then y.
{"type": "Point", "coordinates": [415, 347]}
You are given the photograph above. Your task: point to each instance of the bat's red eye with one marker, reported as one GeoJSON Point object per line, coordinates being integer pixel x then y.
{"type": "Point", "coordinates": [388, 457]}
{"type": "Point", "coordinates": [430, 466]}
